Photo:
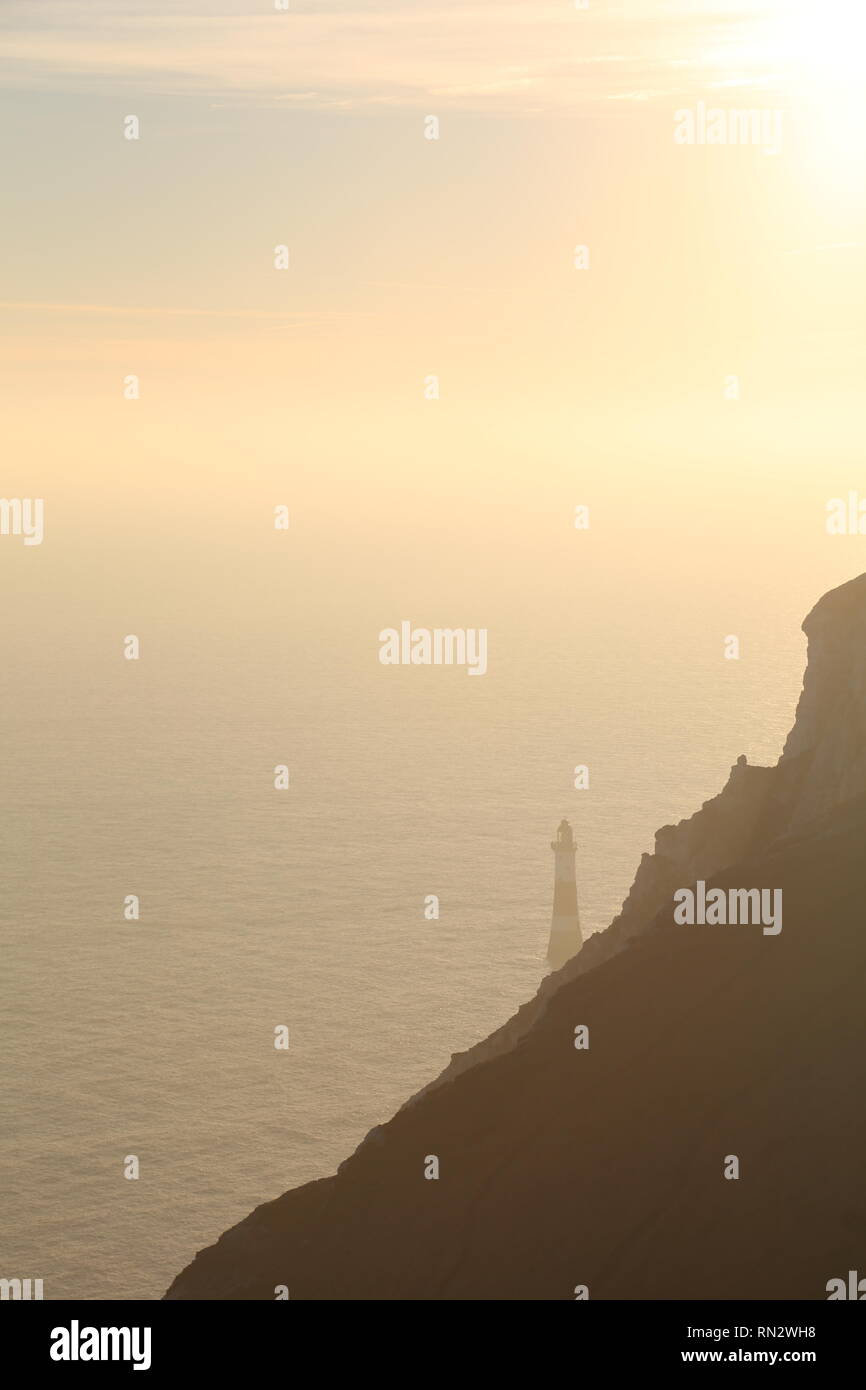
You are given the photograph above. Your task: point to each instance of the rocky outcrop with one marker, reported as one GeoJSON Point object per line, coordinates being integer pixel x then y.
{"type": "Point", "coordinates": [604, 1167]}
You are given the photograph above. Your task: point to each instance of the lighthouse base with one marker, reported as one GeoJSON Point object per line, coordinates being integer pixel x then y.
{"type": "Point", "coordinates": [565, 940]}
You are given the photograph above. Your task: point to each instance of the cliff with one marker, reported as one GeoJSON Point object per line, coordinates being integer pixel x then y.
{"type": "Point", "coordinates": [604, 1167]}
{"type": "Point", "coordinates": [822, 766]}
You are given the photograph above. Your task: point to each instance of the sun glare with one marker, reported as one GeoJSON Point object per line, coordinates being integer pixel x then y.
{"type": "Point", "coordinates": [817, 48]}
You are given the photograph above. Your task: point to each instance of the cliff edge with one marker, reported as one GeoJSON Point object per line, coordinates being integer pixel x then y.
{"type": "Point", "coordinates": [604, 1166]}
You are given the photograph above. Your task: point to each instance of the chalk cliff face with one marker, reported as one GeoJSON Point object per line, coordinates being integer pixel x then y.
{"type": "Point", "coordinates": [603, 1166]}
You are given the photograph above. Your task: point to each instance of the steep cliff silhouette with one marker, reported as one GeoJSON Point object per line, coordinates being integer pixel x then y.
{"type": "Point", "coordinates": [604, 1167]}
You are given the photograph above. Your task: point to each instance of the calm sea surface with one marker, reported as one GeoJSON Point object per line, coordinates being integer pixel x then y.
{"type": "Point", "coordinates": [305, 907]}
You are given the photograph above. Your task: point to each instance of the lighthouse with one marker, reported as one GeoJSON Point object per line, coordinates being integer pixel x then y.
{"type": "Point", "coordinates": [565, 938]}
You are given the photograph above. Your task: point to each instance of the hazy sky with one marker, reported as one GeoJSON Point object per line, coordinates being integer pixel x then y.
{"type": "Point", "coordinates": [550, 55]}
{"type": "Point", "coordinates": [411, 257]}
{"type": "Point", "coordinates": [306, 127]}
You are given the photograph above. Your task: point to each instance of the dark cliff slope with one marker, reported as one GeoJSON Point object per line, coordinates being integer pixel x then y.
{"type": "Point", "coordinates": [604, 1167]}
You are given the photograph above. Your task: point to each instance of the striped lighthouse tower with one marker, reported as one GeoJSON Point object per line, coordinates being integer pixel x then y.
{"type": "Point", "coordinates": [565, 938]}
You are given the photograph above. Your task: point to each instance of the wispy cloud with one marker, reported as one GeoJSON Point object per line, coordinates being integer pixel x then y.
{"type": "Point", "coordinates": [498, 55]}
